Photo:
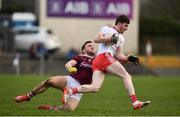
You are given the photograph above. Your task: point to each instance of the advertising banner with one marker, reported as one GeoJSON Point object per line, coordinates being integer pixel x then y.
{"type": "Point", "coordinates": [89, 8]}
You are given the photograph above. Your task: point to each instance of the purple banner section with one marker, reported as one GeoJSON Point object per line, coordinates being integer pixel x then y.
{"type": "Point", "coordinates": [89, 8]}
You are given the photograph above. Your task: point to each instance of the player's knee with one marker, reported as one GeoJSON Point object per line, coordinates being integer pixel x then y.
{"type": "Point", "coordinates": [46, 82]}
{"type": "Point", "coordinates": [127, 76]}
{"type": "Point", "coordinates": [120, 75]}
{"type": "Point", "coordinates": [49, 82]}
{"type": "Point", "coordinates": [52, 81]}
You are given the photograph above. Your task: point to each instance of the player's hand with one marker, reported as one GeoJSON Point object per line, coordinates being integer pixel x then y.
{"type": "Point", "coordinates": [133, 59]}
{"type": "Point", "coordinates": [72, 70]}
{"type": "Point", "coordinates": [114, 38]}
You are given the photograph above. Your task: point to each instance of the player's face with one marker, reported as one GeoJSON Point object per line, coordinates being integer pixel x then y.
{"type": "Point", "coordinates": [123, 27]}
{"type": "Point", "coordinates": [89, 49]}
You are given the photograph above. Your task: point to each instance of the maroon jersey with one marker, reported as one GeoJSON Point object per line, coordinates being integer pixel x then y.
{"type": "Point", "coordinates": [84, 69]}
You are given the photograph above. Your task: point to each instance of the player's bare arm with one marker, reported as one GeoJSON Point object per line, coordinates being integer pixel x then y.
{"type": "Point", "coordinates": [119, 55]}
{"type": "Point", "coordinates": [70, 66]}
{"type": "Point", "coordinates": [100, 38]}
{"type": "Point", "coordinates": [124, 59]}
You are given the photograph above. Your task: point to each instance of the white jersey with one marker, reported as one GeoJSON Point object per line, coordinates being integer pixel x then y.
{"type": "Point", "coordinates": [111, 48]}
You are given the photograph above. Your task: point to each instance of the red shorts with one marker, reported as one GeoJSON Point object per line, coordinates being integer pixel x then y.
{"type": "Point", "coordinates": [102, 61]}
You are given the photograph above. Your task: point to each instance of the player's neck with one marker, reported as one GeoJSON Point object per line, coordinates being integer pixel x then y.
{"type": "Point", "coordinates": [88, 55]}
{"type": "Point", "coordinates": [116, 29]}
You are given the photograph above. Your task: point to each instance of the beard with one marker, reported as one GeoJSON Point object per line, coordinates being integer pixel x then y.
{"type": "Point", "coordinates": [91, 53]}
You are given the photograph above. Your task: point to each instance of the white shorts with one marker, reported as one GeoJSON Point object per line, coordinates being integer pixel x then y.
{"type": "Point", "coordinates": [72, 83]}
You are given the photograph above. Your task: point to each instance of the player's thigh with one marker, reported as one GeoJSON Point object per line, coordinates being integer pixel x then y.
{"type": "Point", "coordinates": [58, 82]}
{"type": "Point", "coordinates": [72, 104]}
{"type": "Point", "coordinates": [98, 78]}
{"type": "Point", "coordinates": [117, 69]}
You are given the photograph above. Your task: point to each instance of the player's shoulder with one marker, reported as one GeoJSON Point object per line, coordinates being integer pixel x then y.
{"type": "Point", "coordinates": [106, 27]}
{"type": "Point", "coordinates": [78, 56]}
{"type": "Point", "coordinates": [85, 56]}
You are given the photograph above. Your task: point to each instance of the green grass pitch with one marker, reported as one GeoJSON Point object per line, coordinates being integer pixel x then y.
{"type": "Point", "coordinates": [111, 100]}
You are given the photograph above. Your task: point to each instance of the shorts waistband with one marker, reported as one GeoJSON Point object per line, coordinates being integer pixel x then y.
{"type": "Point", "coordinates": [105, 53]}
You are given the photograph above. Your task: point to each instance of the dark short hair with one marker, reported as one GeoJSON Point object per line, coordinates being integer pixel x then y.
{"type": "Point", "coordinates": [122, 19]}
{"type": "Point", "coordinates": [83, 46]}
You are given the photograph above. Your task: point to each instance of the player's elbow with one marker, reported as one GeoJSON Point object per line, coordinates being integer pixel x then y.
{"type": "Point", "coordinates": [66, 65]}
{"type": "Point", "coordinates": [96, 40]}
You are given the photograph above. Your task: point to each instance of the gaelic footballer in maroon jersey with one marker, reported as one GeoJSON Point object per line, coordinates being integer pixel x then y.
{"type": "Point", "coordinates": [80, 69]}
{"type": "Point", "coordinates": [84, 66]}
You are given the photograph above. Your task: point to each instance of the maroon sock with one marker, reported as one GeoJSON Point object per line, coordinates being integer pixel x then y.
{"type": "Point", "coordinates": [133, 98]}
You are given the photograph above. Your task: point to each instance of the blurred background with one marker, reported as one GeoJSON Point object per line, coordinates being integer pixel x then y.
{"type": "Point", "coordinates": [39, 36]}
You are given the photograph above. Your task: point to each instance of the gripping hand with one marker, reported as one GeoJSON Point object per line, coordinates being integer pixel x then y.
{"type": "Point", "coordinates": [114, 38]}
{"type": "Point", "coordinates": [72, 70]}
{"type": "Point", "coordinates": [133, 59]}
